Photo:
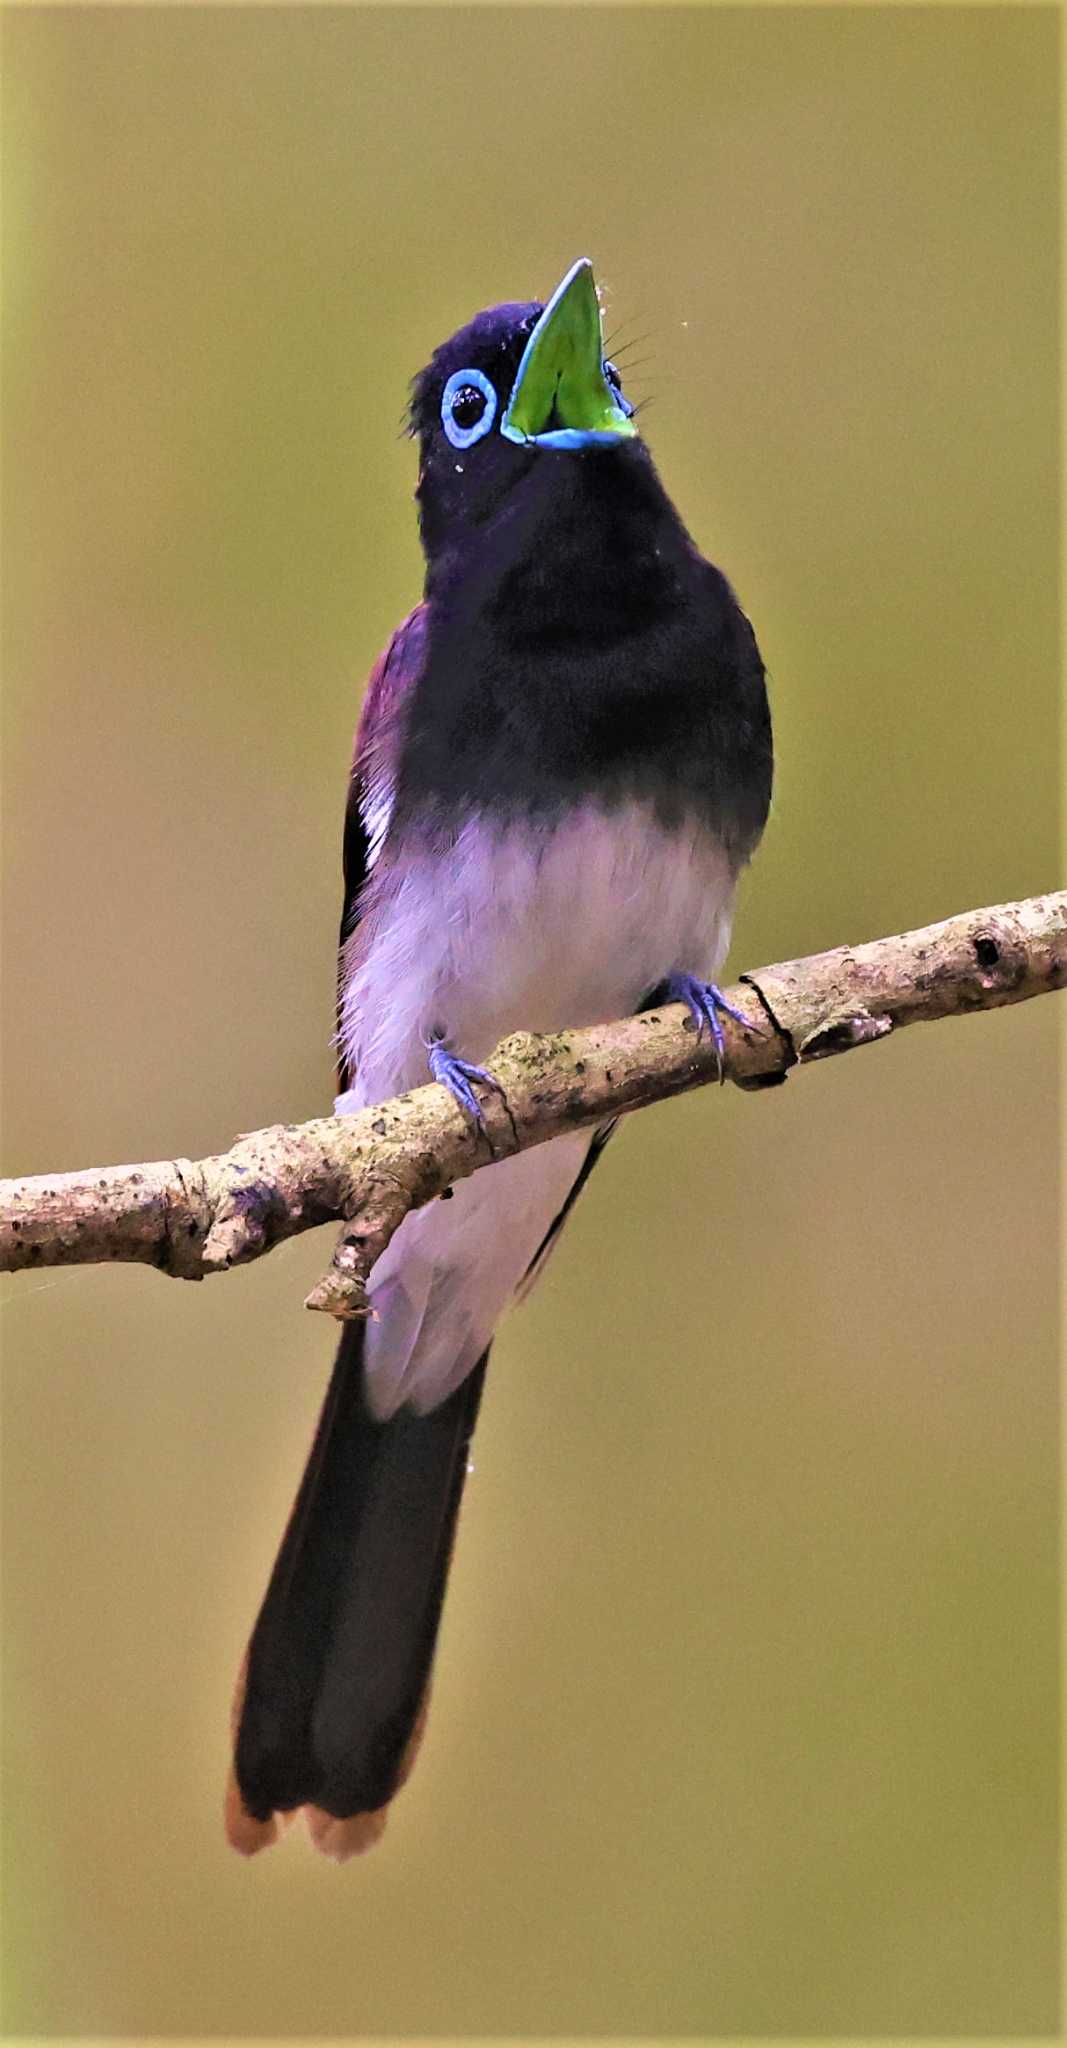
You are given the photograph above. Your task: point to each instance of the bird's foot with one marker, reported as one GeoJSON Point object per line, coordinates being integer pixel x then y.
{"type": "Point", "coordinates": [457, 1075]}
{"type": "Point", "coordinates": [705, 1002]}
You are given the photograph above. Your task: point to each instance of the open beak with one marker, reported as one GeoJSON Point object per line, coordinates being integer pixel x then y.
{"type": "Point", "coordinates": [561, 397]}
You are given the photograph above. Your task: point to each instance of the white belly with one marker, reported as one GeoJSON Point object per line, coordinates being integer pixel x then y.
{"type": "Point", "coordinates": [507, 930]}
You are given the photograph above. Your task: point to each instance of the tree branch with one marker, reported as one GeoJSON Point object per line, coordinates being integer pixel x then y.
{"type": "Point", "coordinates": [191, 1218]}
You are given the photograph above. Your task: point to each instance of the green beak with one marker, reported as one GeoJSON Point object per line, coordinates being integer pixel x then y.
{"type": "Point", "coordinates": [562, 375]}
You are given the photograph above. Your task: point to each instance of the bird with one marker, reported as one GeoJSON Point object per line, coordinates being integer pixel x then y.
{"type": "Point", "coordinates": [562, 765]}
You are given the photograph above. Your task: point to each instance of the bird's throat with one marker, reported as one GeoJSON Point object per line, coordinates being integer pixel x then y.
{"type": "Point", "coordinates": [587, 550]}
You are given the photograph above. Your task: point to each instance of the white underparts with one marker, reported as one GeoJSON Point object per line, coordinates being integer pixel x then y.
{"type": "Point", "coordinates": [504, 928]}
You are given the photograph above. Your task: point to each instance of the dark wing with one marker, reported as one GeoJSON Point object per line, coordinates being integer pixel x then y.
{"type": "Point", "coordinates": [370, 782]}
{"type": "Point", "coordinates": [548, 1243]}
{"type": "Point", "coordinates": [596, 1148]}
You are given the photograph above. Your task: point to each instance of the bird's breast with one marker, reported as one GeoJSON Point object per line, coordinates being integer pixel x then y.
{"type": "Point", "coordinates": [523, 925]}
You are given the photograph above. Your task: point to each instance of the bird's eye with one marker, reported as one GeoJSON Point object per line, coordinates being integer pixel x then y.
{"type": "Point", "coordinates": [468, 407]}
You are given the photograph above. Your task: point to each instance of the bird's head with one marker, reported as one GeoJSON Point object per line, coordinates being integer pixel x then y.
{"type": "Point", "coordinates": [521, 385]}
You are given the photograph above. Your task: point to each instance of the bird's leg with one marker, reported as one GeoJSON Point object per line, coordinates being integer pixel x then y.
{"type": "Point", "coordinates": [704, 1001]}
{"type": "Point", "coordinates": [457, 1075]}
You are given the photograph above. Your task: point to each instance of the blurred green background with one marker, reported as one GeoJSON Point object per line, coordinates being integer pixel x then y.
{"type": "Point", "coordinates": [746, 1704]}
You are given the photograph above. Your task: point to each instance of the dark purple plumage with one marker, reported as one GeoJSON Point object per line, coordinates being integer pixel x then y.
{"type": "Point", "coordinates": [563, 760]}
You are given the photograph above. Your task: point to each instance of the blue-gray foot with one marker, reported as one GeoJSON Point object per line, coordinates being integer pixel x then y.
{"type": "Point", "coordinates": [457, 1076]}
{"type": "Point", "coordinates": [705, 1002]}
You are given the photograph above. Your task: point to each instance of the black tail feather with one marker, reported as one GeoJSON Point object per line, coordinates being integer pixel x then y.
{"type": "Point", "coordinates": [341, 1653]}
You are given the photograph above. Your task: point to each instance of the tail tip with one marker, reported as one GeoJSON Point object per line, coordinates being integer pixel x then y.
{"type": "Point", "coordinates": [337, 1839]}
{"type": "Point", "coordinates": [340, 1839]}
{"type": "Point", "coordinates": [244, 1832]}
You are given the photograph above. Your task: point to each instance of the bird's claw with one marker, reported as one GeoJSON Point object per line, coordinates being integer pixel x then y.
{"type": "Point", "coordinates": [457, 1075]}
{"type": "Point", "coordinates": [704, 1001]}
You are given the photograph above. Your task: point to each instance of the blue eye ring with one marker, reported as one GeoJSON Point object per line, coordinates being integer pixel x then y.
{"type": "Point", "coordinates": [466, 380]}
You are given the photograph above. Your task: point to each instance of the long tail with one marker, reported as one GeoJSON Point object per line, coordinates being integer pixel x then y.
{"type": "Point", "coordinates": [331, 1702]}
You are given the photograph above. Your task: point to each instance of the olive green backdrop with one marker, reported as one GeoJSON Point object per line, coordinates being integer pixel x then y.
{"type": "Point", "coordinates": [746, 1706]}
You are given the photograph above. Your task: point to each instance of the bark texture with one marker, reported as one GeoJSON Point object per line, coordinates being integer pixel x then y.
{"type": "Point", "coordinates": [189, 1218]}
